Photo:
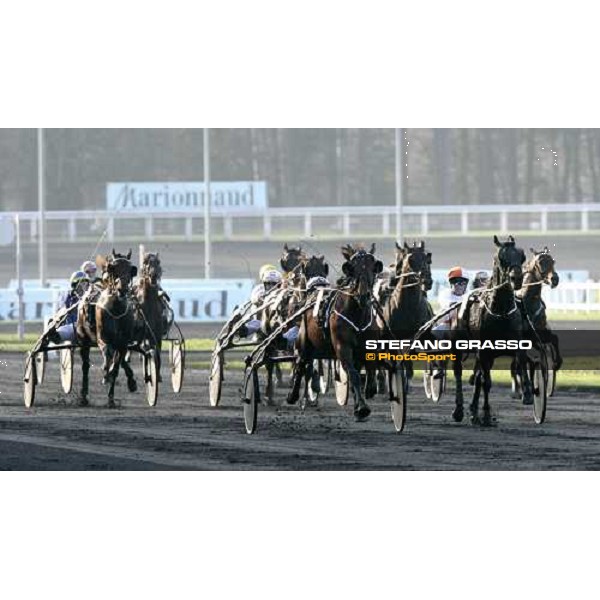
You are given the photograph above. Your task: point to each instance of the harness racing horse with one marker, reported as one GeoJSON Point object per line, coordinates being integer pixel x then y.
{"type": "Point", "coordinates": [115, 320]}
{"type": "Point", "coordinates": [407, 307]}
{"type": "Point", "coordinates": [349, 317]}
{"type": "Point", "coordinates": [292, 263]}
{"type": "Point", "coordinates": [539, 271]}
{"type": "Point", "coordinates": [494, 315]}
{"type": "Point", "coordinates": [150, 308]}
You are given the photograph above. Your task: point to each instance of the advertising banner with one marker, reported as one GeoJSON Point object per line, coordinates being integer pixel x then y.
{"type": "Point", "coordinates": [226, 197]}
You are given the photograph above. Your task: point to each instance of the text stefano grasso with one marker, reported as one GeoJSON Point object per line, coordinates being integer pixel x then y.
{"type": "Point", "coordinates": [435, 345]}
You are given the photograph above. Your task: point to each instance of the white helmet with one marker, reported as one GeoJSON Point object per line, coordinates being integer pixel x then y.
{"type": "Point", "coordinates": [89, 268]}
{"type": "Point", "coordinates": [272, 277]}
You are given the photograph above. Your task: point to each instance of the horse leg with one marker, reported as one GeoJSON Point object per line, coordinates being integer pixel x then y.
{"type": "Point", "coordinates": [521, 359]}
{"type": "Point", "coordinates": [458, 412]}
{"type": "Point", "coordinates": [131, 382]}
{"type": "Point", "coordinates": [474, 406]}
{"type": "Point", "coordinates": [515, 376]}
{"type": "Point", "coordinates": [113, 370]}
{"type": "Point", "coordinates": [361, 408]}
{"type": "Point", "coordinates": [370, 384]}
{"type": "Point", "coordinates": [381, 381]}
{"type": "Point", "coordinates": [487, 386]}
{"type": "Point", "coordinates": [270, 388]}
{"type": "Point", "coordinates": [84, 352]}
{"type": "Point", "coordinates": [297, 377]}
{"type": "Point", "coordinates": [158, 359]}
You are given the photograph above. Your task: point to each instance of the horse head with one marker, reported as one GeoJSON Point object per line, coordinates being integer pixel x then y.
{"type": "Point", "coordinates": [151, 267]}
{"type": "Point", "coordinates": [118, 271]}
{"type": "Point", "coordinates": [414, 260]}
{"type": "Point", "coordinates": [508, 263]}
{"type": "Point", "coordinates": [542, 263]}
{"type": "Point", "coordinates": [316, 267]}
{"type": "Point", "coordinates": [292, 258]}
{"type": "Point", "coordinates": [361, 267]}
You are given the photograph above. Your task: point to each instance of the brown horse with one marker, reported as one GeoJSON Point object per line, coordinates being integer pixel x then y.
{"type": "Point", "coordinates": [150, 325]}
{"type": "Point", "coordinates": [115, 319]}
{"type": "Point", "coordinates": [539, 271]}
{"type": "Point", "coordinates": [349, 317]}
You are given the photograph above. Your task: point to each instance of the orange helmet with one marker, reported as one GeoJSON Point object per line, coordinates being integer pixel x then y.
{"type": "Point", "coordinates": [457, 273]}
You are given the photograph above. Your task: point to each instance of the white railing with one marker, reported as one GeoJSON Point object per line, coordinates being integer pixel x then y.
{"type": "Point", "coordinates": [348, 220]}
{"type": "Point", "coordinates": [574, 296]}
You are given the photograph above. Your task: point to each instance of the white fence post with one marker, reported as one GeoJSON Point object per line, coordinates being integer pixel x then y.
{"type": "Point", "coordinates": [228, 227]}
{"type": "Point", "coordinates": [346, 224]}
{"type": "Point", "coordinates": [307, 225]}
{"type": "Point", "coordinates": [585, 221]}
{"type": "Point", "coordinates": [110, 229]}
{"type": "Point", "coordinates": [424, 223]}
{"type": "Point", "coordinates": [149, 228]}
{"type": "Point", "coordinates": [385, 224]}
{"type": "Point", "coordinates": [267, 230]}
{"type": "Point", "coordinates": [464, 221]}
{"type": "Point", "coordinates": [189, 229]}
{"type": "Point", "coordinates": [503, 222]}
{"type": "Point", "coordinates": [72, 230]}
{"type": "Point", "coordinates": [544, 220]}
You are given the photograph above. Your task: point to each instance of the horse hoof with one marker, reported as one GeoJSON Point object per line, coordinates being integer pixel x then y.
{"type": "Point", "coordinates": [111, 403]}
{"type": "Point", "coordinates": [132, 385]}
{"type": "Point", "coordinates": [528, 400]}
{"type": "Point", "coordinates": [475, 420]}
{"type": "Point", "coordinates": [487, 420]}
{"type": "Point", "coordinates": [472, 379]}
{"type": "Point", "coordinates": [362, 412]}
{"type": "Point", "coordinates": [515, 395]}
{"type": "Point", "coordinates": [291, 400]}
{"type": "Point", "coordinates": [83, 402]}
{"type": "Point", "coordinates": [458, 414]}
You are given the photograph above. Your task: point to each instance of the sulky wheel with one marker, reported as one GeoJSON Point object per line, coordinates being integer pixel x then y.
{"type": "Point", "coordinates": [215, 381]}
{"type": "Point", "coordinates": [250, 400]}
{"type": "Point", "coordinates": [151, 376]}
{"type": "Point", "coordinates": [398, 387]}
{"type": "Point", "coordinates": [66, 369]}
{"type": "Point", "coordinates": [29, 380]}
{"type": "Point", "coordinates": [551, 388]}
{"type": "Point", "coordinates": [427, 382]}
{"type": "Point", "coordinates": [342, 386]}
{"type": "Point", "coordinates": [177, 363]}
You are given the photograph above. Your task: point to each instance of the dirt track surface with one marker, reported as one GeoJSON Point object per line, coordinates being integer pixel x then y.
{"type": "Point", "coordinates": [183, 432]}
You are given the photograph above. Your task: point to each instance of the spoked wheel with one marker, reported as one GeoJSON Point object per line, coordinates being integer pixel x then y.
{"type": "Point", "coordinates": [66, 369]}
{"type": "Point", "coordinates": [398, 387]}
{"type": "Point", "coordinates": [215, 381]}
{"type": "Point", "coordinates": [41, 358]}
{"type": "Point", "coordinates": [29, 380]}
{"type": "Point", "coordinates": [342, 386]}
{"type": "Point", "coordinates": [438, 385]}
{"type": "Point", "coordinates": [177, 363]}
{"type": "Point", "coordinates": [151, 376]}
{"type": "Point", "coordinates": [540, 388]}
{"type": "Point", "coordinates": [250, 400]}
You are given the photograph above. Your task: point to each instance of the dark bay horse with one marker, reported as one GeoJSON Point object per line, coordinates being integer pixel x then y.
{"type": "Point", "coordinates": [496, 315]}
{"type": "Point", "coordinates": [349, 317]}
{"type": "Point", "coordinates": [115, 319]}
